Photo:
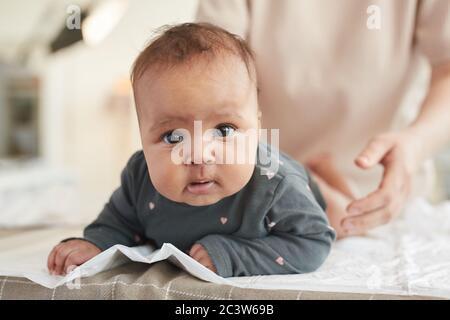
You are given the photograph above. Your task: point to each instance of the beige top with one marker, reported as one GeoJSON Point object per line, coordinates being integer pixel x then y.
{"type": "Point", "coordinates": [331, 79]}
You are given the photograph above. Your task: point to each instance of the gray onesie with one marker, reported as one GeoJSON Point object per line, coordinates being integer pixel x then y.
{"type": "Point", "coordinates": [276, 224]}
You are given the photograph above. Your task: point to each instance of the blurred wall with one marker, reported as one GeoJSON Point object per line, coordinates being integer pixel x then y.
{"type": "Point", "coordinates": [3, 115]}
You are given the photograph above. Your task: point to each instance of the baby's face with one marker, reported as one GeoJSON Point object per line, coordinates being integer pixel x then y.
{"type": "Point", "coordinates": [219, 99]}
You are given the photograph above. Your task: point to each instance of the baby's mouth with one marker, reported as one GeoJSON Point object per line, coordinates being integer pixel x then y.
{"type": "Point", "coordinates": [201, 187]}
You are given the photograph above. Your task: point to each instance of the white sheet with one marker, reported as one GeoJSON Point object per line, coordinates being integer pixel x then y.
{"type": "Point", "coordinates": [28, 191]}
{"type": "Point", "coordinates": [410, 256]}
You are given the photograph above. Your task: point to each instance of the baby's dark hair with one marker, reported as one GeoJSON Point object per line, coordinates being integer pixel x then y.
{"type": "Point", "coordinates": [182, 43]}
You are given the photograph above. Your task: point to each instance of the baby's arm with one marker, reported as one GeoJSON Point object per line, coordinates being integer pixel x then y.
{"type": "Point", "coordinates": [299, 239]}
{"type": "Point", "coordinates": [70, 253]}
{"type": "Point", "coordinates": [117, 224]}
{"type": "Point", "coordinates": [198, 253]}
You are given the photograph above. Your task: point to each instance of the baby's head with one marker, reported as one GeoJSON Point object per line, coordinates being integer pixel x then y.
{"type": "Point", "coordinates": [197, 76]}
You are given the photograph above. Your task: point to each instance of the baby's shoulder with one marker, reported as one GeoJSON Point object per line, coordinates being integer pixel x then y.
{"type": "Point", "coordinates": [277, 165]}
{"type": "Point", "coordinates": [136, 165]}
{"type": "Point", "coordinates": [279, 185]}
{"type": "Point", "coordinates": [275, 176]}
{"type": "Point", "coordinates": [137, 159]}
{"type": "Point", "coordinates": [137, 171]}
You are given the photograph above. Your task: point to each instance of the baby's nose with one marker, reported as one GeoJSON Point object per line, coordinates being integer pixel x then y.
{"type": "Point", "coordinates": [203, 155]}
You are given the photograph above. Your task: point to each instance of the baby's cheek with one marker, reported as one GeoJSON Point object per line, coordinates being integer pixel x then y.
{"type": "Point", "coordinates": [236, 177]}
{"type": "Point", "coordinates": [168, 179]}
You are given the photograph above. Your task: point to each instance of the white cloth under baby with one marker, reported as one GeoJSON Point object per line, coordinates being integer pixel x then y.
{"type": "Point", "coordinates": [410, 256]}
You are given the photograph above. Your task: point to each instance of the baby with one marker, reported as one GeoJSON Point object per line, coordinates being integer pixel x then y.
{"type": "Point", "coordinates": [234, 217]}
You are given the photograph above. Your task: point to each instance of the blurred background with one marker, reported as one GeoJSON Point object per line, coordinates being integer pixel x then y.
{"type": "Point", "coordinates": [67, 119]}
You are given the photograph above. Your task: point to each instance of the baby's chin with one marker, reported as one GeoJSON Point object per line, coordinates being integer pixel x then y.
{"type": "Point", "coordinates": [215, 195]}
{"type": "Point", "coordinates": [203, 193]}
{"type": "Point", "coordinates": [199, 201]}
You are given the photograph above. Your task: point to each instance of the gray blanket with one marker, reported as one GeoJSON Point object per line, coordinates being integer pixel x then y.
{"type": "Point", "coordinates": [161, 280]}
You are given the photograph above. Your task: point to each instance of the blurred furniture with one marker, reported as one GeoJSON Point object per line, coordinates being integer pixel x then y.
{"type": "Point", "coordinates": [34, 194]}
{"type": "Point", "coordinates": [19, 114]}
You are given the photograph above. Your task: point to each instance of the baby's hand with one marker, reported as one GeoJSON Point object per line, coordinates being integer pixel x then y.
{"type": "Point", "coordinates": [69, 254]}
{"type": "Point", "coordinates": [199, 253]}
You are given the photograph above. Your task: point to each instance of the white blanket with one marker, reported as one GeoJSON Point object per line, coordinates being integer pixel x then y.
{"type": "Point", "coordinates": [28, 191]}
{"type": "Point", "coordinates": [410, 256]}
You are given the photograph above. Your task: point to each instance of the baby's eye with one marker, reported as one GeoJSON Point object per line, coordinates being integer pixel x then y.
{"type": "Point", "coordinates": [172, 137]}
{"type": "Point", "coordinates": [224, 130]}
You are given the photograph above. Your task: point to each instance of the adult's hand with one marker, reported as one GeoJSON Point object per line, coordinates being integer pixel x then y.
{"type": "Point", "coordinates": [400, 155]}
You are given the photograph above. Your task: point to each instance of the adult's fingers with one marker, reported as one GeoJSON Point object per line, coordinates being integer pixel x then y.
{"type": "Point", "coordinates": [390, 190]}
{"type": "Point", "coordinates": [375, 201]}
{"type": "Point", "coordinates": [374, 152]}
{"type": "Point", "coordinates": [381, 206]}
{"type": "Point", "coordinates": [357, 225]}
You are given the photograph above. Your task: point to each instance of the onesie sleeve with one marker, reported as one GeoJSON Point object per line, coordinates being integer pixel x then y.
{"type": "Point", "coordinates": [299, 237]}
{"type": "Point", "coordinates": [118, 222]}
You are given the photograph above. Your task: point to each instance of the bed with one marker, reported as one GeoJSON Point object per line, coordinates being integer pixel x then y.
{"type": "Point", "coordinates": [408, 259]}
